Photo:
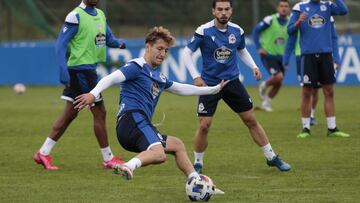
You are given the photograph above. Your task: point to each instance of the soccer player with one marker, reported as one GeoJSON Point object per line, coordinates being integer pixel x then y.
{"type": "Point", "coordinates": [293, 43]}
{"type": "Point", "coordinates": [141, 86]}
{"type": "Point", "coordinates": [87, 34]}
{"type": "Point", "coordinates": [270, 36]}
{"type": "Point", "coordinates": [312, 19]}
{"type": "Point", "coordinates": [219, 41]}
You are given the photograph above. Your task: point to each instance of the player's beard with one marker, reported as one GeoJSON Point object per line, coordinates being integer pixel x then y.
{"type": "Point", "coordinates": [91, 3]}
{"type": "Point", "coordinates": [223, 21]}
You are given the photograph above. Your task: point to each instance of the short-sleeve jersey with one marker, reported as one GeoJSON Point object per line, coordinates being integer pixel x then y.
{"type": "Point", "coordinates": [219, 51]}
{"type": "Point", "coordinates": [142, 88]}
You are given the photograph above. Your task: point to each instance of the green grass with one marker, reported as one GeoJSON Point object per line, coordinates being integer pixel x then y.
{"type": "Point", "coordinates": [324, 169]}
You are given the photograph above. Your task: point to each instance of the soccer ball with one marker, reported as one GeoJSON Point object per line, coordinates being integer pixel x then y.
{"type": "Point", "coordinates": [199, 188]}
{"type": "Point", "coordinates": [19, 88]}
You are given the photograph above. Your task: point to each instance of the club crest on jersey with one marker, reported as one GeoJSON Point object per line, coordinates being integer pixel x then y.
{"type": "Point", "coordinates": [155, 90]}
{"type": "Point", "coordinates": [100, 40]}
{"type": "Point", "coordinates": [323, 8]}
{"type": "Point", "coordinates": [317, 21]}
{"type": "Point", "coordinates": [279, 41]}
{"type": "Point", "coordinates": [222, 54]}
{"type": "Point", "coordinates": [232, 39]}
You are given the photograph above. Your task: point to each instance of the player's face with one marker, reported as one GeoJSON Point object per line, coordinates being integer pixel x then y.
{"type": "Point", "coordinates": [283, 8]}
{"type": "Point", "coordinates": [90, 2]}
{"type": "Point", "coordinates": [157, 52]}
{"type": "Point", "coordinates": [222, 12]}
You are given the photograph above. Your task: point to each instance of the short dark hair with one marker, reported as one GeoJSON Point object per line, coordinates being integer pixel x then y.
{"type": "Point", "coordinates": [159, 33]}
{"type": "Point", "coordinates": [215, 1]}
{"type": "Point", "coordinates": [285, 1]}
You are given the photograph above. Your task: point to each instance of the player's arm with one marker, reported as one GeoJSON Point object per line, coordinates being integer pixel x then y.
{"type": "Point", "coordinates": [338, 7]}
{"type": "Point", "coordinates": [188, 51]}
{"type": "Point", "coordinates": [335, 44]}
{"type": "Point", "coordinates": [127, 72]}
{"type": "Point", "coordinates": [89, 98]}
{"type": "Point", "coordinates": [67, 32]}
{"type": "Point", "coordinates": [289, 49]}
{"type": "Point", "coordinates": [191, 90]}
{"type": "Point", "coordinates": [259, 28]}
{"type": "Point", "coordinates": [112, 41]}
{"type": "Point", "coordinates": [296, 19]}
{"type": "Point", "coordinates": [247, 59]}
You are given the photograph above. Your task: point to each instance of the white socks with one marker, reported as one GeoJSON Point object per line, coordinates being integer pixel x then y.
{"type": "Point", "coordinates": [47, 146]}
{"type": "Point", "coordinates": [199, 157]}
{"type": "Point", "coordinates": [331, 122]}
{"type": "Point", "coordinates": [306, 122]}
{"type": "Point", "coordinates": [268, 151]}
{"type": "Point", "coordinates": [133, 164]}
{"type": "Point", "coordinates": [312, 114]}
{"type": "Point", "coordinates": [106, 153]}
{"type": "Point", "coordinates": [193, 174]}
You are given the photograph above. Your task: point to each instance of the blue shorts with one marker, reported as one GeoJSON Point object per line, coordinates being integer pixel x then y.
{"type": "Point", "coordinates": [135, 132]}
{"type": "Point", "coordinates": [273, 64]}
{"type": "Point", "coordinates": [81, 82]}
{"type": "Point", "coordinates": [234, 94]}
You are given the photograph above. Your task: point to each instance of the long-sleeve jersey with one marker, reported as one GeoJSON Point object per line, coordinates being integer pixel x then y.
{"type": "Point", "coordinates": [262, 26]}
{"type": "Point", "coordinates": [68, 32]}
{"type": "Point", "coordinates": [315, 30]}
{"type": "Point", "coordinates": [292, 40]}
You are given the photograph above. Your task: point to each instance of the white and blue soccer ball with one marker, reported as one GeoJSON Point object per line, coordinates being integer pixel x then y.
{"type": "Point", "coordinates": [200, 188]}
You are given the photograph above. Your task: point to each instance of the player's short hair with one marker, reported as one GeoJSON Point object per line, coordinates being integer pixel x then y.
{"type": "Point", "coordinates": [160, 33]}
{"type": "Point", "coordinates": [285, 1]}
{"type": "Point", "coordinates": [215, 1]}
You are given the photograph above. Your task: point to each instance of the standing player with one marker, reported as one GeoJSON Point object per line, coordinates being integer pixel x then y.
{"type": "Point", "coordinates": [293, 43]}
{"type": "Point", "coordinates": [141, 86]}
{"type": "Point", "coordinates": [87, 34]}
{"type": "Point", "coordinates": [219, 41]}
{"type": "Point", "coordinates": [270, 36]}
{"type": "Point", "coordinates": [312, 19]}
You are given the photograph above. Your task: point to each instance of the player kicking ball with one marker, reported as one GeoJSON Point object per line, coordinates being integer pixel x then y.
{"type": "Point", "coordinates": [141, 86]}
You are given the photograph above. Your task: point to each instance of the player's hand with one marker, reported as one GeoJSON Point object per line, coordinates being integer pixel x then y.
{"type": "Point", "coordinates": [301, 19]}
{"type": "Point", "coordinates": [223, 83]}
{"type": "Point", "coordinates": [64, 77]}
{"type": "Point", "coordinates": [83, 100]}
{"type": "Point", "coordinates": [122, 46]}
{"type": "Point", "coordinates": [262, 52]}
{"type": "Point", "coordinates": [199, 82]}
{"type": "Point", "coordinates": [257, 74]}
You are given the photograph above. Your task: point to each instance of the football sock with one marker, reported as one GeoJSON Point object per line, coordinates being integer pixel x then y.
{"type": "Point", "coordinates": [133, 164]}
{"type": "Point", "coordinates": [193, 174]}
{"type": "Point", "coordinates": [331, 122]}
{"type": "Point", "coordinates": [199, 157]}
{"type": "Point", "coordinates": [47, 146]}
{"type": "Point", "coordinates": [312, 115]}
{"type": "Point", "coordinates": [306, 122]}
{"type": "Point", "coordinates": [268, 151]}
{"type": "Point", "coordinates": [106, 153]}
{"type": "Point", "coordinates": [267, 99]}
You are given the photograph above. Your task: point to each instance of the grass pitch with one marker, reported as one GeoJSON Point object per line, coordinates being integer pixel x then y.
{"type": "Point", "coordinates": [324, 169]}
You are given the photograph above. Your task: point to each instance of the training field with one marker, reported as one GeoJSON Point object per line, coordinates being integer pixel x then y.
{"type": "Point", "coordinates": [324, 169]}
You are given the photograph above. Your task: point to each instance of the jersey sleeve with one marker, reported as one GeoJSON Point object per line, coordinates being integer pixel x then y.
{"type": "Point", "coordinates": [196, 39]}
{"type": "Point", "coordinates": [242, 42]}
{"type": "Point", "coordinates": [168, 83]}
{"type": "Point", "coordinates": [130, 70]}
